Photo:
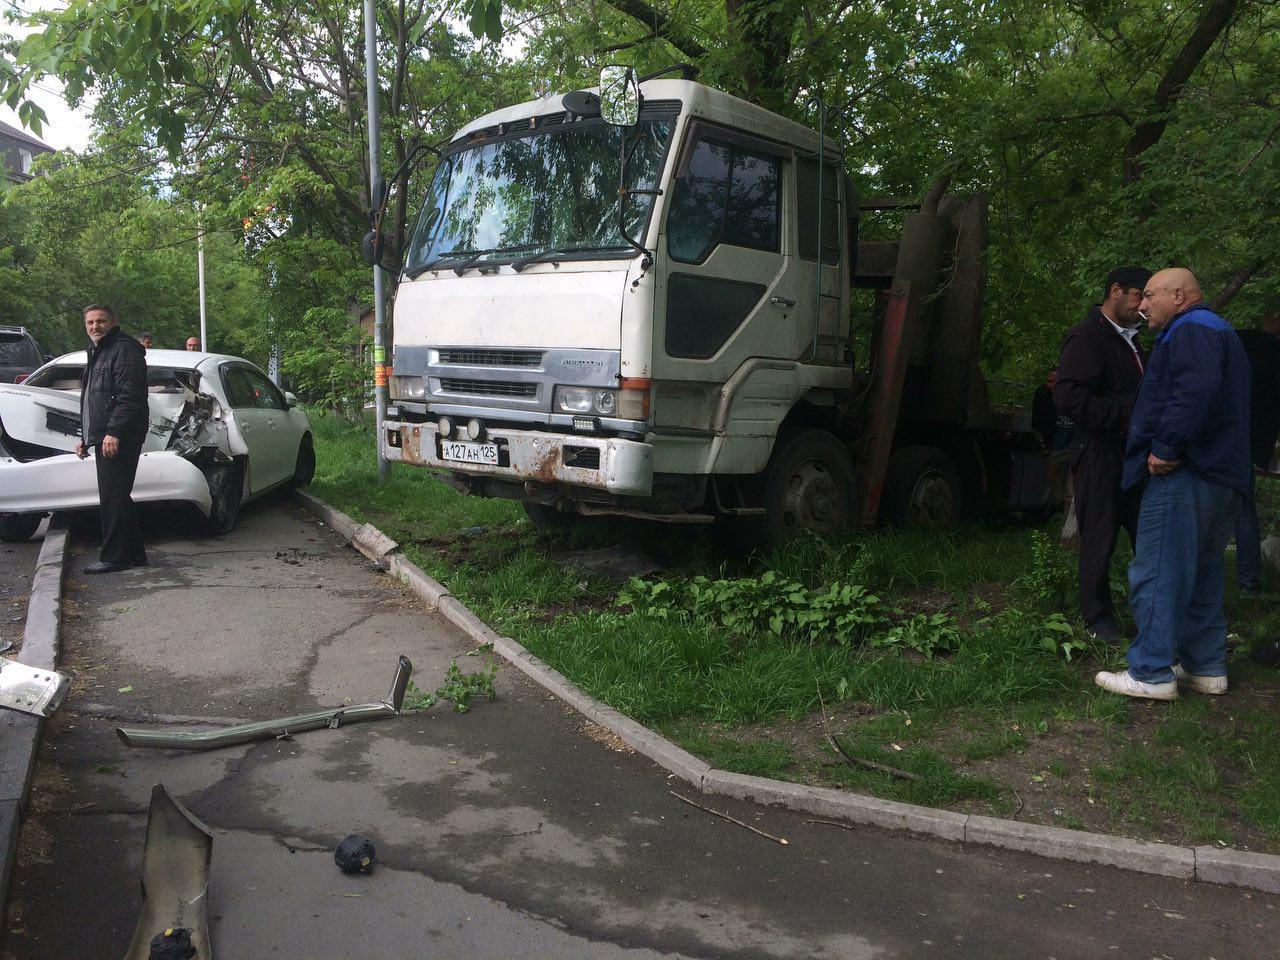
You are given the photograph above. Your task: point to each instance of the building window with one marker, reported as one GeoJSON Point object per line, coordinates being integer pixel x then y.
{"type": "Point", "coordinates": [25, 155]}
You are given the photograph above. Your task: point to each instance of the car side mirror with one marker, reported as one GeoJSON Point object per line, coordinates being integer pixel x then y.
{"type": "Point", "coordinates": [290, 401]}
{"type": "Point", "coordinates": [619, 96]}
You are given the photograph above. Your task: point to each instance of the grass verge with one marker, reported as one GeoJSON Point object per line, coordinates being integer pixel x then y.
{"type": "Point", "coordinates": [969, 680]}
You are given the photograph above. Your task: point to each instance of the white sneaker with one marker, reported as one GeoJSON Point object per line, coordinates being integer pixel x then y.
{"type": "Point", "coordinates": [1124, 683]}
{"type": "Point", "coordinates": [1200, 684]}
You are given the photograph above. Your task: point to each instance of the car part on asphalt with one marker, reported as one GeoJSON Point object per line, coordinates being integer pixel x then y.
{"type": "Point", "coordinates": [355, 854]}
{"type": "Point", "coordinates": [28, 690]}
{"type": "Point", "coordinates": [174, 944]}
{"type": "Point", "coordinates": [284, 727]}
{"type": "Point", "coordinates": [175, 882]}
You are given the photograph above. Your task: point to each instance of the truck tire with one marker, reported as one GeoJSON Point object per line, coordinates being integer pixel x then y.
{"type": "Point", "coordinates": [19, 527]}
{"type": "Point", "coordinates": [922, 489]}
{"type": "Point", "coordinates": [808, 486]}
{"type": "Point", "coordinates": [226, 486]}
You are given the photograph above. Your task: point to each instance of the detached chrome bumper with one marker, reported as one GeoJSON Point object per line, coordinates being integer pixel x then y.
{"type": "Point", "coordinates": [68, 483]}
{"type": "Point", "coordinates": [623, 467]}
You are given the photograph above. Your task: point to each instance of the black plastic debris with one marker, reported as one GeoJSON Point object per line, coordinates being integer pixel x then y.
{"type": "Point", "coordinates": [354, 855]}
{"type": "Point", "coordinates": [173, 944]}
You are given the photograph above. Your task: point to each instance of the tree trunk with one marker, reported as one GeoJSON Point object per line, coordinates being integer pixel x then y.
{"type": "Point", "coordinates": [1217, 16]}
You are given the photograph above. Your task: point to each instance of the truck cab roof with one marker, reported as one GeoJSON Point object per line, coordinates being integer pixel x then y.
{"type": "Point", "coordinates": [696, 99]}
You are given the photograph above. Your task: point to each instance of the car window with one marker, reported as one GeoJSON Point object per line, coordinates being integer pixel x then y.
{"type": "Point", "coordinates": [61, 376]}
{"type": "Point", "coordinates": [266, 395]}
{"type": "Point", "coordinates": [17, 350]}
{"type": "Point", "coordinates": [728, 194]}
{"type": "Point", "coordinates": [171, 379]}
{"type": "Point", "coordinates": [240, 392]}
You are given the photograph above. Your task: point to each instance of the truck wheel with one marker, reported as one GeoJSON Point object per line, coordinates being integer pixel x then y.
{"type": "Point", "coordinates": [225, 489]}
{"type": "Point", "coordinates": [808, 486]}
{"type": "Point", "coordinates": [18, 527]}
{"type": "Point", "coordinates": [922, 489]}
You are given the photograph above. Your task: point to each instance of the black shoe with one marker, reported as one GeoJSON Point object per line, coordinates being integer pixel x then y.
{"type": "Point", "coordinates": [1105, 629]}
{"type": "Point", "coordinates": [105, 566]}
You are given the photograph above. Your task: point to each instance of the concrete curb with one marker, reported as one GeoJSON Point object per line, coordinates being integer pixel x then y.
{"type": "Point", "coordinates": [1255, 871]}
{"type": "Point", "coordinates": [20, 732]}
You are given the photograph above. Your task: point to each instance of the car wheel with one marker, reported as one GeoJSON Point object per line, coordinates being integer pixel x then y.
{"type": "Point", "coordinates": [808, 486]}
{"type": "Point", "coordinates": [306, 464]}
{"type": "Point", "coordinates": [922, 489]}
{"type": "Point", "coordinates": [17, 527]}
{"type": "Point", "coordinates": [225, 489]}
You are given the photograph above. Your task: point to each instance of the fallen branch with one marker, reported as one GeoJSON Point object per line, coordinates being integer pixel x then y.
{"type": "Point", "coordinates": [724, 816]}
{"type": "Point", "coordinates": [833, 823]}
{"type": "Point", "coordinates": [871, 764]}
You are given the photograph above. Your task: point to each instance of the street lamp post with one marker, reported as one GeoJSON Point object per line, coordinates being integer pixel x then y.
{"type": "Point", "coordinates": [375, 177]}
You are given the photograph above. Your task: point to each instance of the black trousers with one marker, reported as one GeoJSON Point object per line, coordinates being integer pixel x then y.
{"type": "Point", "coordinates": [1102, 510]}
{"type": "Point", "coordinates": [121, 528]}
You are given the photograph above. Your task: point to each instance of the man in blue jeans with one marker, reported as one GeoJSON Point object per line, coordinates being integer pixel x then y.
{"type": "Point", "coordinates": [1189, 438]}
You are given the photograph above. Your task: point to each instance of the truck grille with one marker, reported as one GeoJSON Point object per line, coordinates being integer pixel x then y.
{"type": "Point", "coordinates": [492, 358]}
{"type": "Point", "coordinates": [489, 388]}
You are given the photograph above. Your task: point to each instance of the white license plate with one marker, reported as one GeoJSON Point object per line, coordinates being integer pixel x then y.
{"type": "Point", "coordinates": [469, 452]}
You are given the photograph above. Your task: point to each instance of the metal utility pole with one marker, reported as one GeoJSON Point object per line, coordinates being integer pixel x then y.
{"type": "Point", "coordinates": [204, 323]}
{"type": "Point", "coordinates": [375, 177]}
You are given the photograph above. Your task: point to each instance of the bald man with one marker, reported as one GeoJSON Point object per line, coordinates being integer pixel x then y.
{"type": "Point", "coordinates": [1189, 441]}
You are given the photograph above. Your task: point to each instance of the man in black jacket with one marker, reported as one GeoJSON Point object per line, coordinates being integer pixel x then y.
{"type": "Point", "coordinates": [1262, 347]}
{"type": "Point", "coordinates": [1099, 370]}
{"type": "Point", "coordinates": [114, 418]}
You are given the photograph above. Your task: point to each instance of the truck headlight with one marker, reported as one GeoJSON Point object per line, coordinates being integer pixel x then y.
{"type": "Point", "coordinates": [591, 400]}
{"type": "Point", "coordinates": [408, 388]}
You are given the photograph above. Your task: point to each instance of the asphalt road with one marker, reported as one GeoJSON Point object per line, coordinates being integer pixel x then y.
{"type": "Point", "coordinates": [17, 563]}
{"type": "Point", "coordinates": [509, 831]}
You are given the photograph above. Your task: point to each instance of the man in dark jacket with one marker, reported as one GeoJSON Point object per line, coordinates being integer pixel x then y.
{"type": "Point", "coordinates": [1262, 347]}
{"type": "Point", "coordinates": [1189, 443]}
{"type": "Point", "coordinates": [1099, 370]}
{"type": "Point", "coordinates": [113, 422]}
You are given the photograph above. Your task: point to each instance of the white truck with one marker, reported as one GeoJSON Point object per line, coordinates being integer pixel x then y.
{"type": "Point", "coordinates": [648, 313]}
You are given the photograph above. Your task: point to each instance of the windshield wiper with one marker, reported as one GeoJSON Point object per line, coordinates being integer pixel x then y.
{"type": "Point", "coordinates": [554, 252]}
{"type": "Point", "coordinates": [454, 259]}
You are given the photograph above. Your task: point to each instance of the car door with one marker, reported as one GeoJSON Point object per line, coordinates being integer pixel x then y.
{"type": "Point", "coordinates": [259, 409]}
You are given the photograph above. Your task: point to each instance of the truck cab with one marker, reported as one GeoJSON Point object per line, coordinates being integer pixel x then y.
{"type": "Point", "coordinates": [653, 319]}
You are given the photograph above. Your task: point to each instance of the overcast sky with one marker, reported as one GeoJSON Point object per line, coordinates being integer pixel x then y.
{"type": "Point", "coordinates": [65, 128]}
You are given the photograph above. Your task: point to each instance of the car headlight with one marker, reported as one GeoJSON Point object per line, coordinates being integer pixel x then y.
{"type": "Point", "coordinates": [586, 400]}
{"type": "Point", "coordinates": [408, 388]}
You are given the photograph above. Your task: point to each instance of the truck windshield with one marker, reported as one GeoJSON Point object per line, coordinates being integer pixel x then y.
{"type": "Point", "coordinates": [553, 190]}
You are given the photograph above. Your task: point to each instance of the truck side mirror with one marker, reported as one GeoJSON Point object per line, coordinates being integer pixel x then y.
{"type": "Point", "coordinates": [619, 96]}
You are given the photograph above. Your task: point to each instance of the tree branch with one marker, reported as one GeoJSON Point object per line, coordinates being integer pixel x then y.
{"type": "Point", "coordinates": [661, 25]}
{"type": "Point", "coordinates": [1237, 283]}
{"type": "Point", "coordinates": [1216, 18]}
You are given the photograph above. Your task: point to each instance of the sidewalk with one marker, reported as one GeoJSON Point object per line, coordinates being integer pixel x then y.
{"type": "Point", "coordinates": [506, 831]}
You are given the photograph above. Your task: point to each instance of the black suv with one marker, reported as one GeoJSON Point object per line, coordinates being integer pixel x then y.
{"type": "Point", "coordinates": [19, 354]}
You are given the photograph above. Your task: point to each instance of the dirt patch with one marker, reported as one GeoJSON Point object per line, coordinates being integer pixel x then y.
{"type": "Point", "coordinates": [605, 736]}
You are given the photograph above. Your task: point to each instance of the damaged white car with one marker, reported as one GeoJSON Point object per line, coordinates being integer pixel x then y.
{"type": "Point", "coordinates": [220, 434]}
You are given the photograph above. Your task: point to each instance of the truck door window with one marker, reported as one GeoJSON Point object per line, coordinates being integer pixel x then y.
{"type": "Point", "coordinates": [727, 194]}
{"type": "Point", "coordinates": [807, 210]}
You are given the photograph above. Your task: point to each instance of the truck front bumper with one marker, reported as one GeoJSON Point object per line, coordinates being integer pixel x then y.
{"type": "Point", "coordinates": [609, 464]}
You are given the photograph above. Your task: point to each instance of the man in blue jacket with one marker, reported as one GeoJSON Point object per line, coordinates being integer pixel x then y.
{"type": "Point", "coordinates": [1189, 438]}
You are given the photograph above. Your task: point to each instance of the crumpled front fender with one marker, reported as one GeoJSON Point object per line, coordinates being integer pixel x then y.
{"type": "Point", "coordinates": [68, 483]}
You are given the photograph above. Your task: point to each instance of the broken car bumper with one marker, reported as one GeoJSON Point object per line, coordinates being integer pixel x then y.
{"type": "Point", "coordinates": [623, 467]}
{"type": "Point", "coordinates": [69, 483]}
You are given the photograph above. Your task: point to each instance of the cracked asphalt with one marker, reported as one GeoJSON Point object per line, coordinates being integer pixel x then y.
{"type": "Point", "coordinates": [516, 829]}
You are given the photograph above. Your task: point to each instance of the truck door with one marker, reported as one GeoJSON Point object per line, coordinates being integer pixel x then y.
{"type": "Point", "coordinates": [728, 282]}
